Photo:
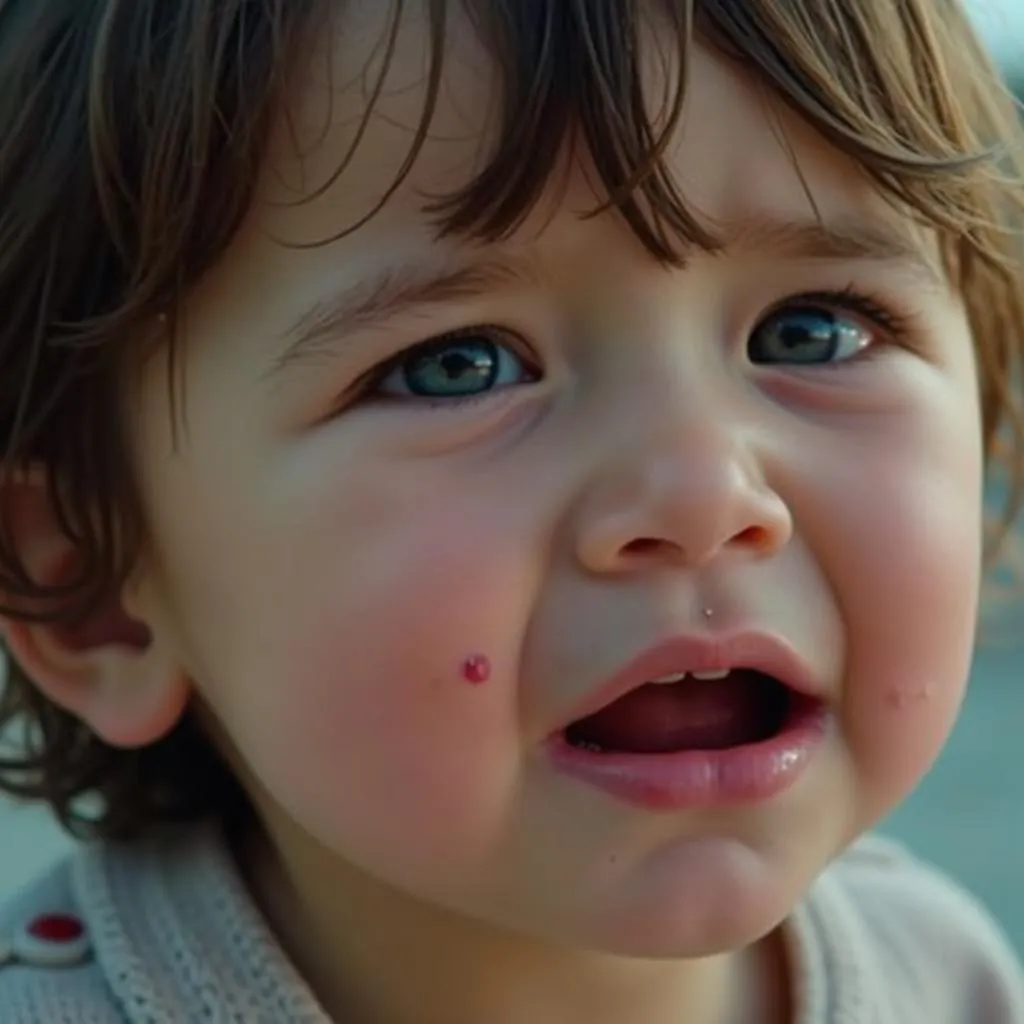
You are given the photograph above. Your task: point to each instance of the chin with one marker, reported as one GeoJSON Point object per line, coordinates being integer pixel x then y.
{"type": "Point", "coordinates": [658, 939]}
{"type": "Point", "coordinates": [712, 897]}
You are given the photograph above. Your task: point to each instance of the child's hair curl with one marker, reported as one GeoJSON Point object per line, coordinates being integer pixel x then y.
{"type": "Point", "coordinates": [132, 136]}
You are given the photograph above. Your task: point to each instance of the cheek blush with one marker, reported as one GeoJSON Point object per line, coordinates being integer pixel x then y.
{"type": "Point", "coordinates": [476, 669]}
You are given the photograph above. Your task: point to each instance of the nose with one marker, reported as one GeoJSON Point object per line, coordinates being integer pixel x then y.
{"type": "Point", "coordinates": [685, 496]}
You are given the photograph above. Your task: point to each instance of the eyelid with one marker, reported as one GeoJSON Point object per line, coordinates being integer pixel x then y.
{"type": "Point", "coordinates": [878, 311]}
{"type": "Point", "coordinates": [884, 326]}
{"type": "Point", "coordinates": [367, 381]}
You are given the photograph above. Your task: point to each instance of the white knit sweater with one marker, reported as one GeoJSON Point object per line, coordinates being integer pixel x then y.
{"type": "Point", "coordinates": [880, 939]}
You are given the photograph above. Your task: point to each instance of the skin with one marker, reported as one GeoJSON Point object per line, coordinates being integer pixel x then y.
{"type": "Point", "coordinates": [323, 563]}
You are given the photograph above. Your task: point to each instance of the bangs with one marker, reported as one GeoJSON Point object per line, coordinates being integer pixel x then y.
{"type": "Point", "coordinates": [887, 83]}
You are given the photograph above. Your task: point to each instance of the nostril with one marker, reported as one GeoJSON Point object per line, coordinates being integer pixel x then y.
{"type": "Point", "coordinates": [643, 546]}
{"type": "Point", "coordinates": [756, 537]}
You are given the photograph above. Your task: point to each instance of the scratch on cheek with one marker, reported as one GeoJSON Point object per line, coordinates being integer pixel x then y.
{"type": "Point", "coordinates": [901, 697]}
{"type": "Point", "coordinates": [476, 669]}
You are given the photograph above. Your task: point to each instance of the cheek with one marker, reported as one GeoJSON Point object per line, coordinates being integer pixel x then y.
{"type": "Point", "coordinates": [905, 566]}
{"type": "Point", "coordinates": [380, 706]}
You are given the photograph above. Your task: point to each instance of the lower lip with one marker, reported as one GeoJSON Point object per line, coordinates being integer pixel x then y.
{"type": "Point", "coordinates": [690, 779]}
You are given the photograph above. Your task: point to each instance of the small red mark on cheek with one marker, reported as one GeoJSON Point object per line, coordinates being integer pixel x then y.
{"type": "Point", "coordinates": [476, 669]}
{"type": "Point", "coordinates": [903, 698]}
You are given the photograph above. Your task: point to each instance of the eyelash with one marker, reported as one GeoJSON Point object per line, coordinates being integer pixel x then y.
{"type": "Point", "coordinates": [876, 311]}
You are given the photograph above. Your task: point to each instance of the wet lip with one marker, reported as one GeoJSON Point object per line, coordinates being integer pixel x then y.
{"type": "Point", "coordinates": [735, 776]}
{"type": "Point", "coordinates": [758, 652]}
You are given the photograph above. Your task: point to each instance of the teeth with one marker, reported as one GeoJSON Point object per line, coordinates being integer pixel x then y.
{"type": "Point", "coordinates": [678, 677]}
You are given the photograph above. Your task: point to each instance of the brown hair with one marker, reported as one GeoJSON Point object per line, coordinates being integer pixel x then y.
{"type": "Point", "coordinates": [132, 133]}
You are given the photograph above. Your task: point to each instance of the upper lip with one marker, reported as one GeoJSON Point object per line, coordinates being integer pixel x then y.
{"type": "Point", "coordinates": [756, 651]}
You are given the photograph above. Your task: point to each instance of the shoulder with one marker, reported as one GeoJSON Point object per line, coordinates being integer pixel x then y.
{"type": "Point", "coordinates": [47, 971]}
{"type": "Point", "coordinates": [924, 939]}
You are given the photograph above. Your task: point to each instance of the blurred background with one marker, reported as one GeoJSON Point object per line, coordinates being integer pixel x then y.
{"type": "Point", "coordinates": [967, 816]}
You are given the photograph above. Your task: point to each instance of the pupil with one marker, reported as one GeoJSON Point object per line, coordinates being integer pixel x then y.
{"type": "Point", "coordinates": [808, 336]}
{"type": "Point", "coordinates": [456, 364]}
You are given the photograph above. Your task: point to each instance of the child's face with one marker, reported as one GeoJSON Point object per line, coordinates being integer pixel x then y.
{"type": "Point", "coordinates": [327, 553]}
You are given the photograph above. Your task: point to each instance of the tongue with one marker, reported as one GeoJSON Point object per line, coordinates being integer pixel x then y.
{"type": "Point", "coordinates": [696, 714]}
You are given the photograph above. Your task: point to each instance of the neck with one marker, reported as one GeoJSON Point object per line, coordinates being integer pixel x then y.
{"type": "Point", "coordinates": [376, 955]}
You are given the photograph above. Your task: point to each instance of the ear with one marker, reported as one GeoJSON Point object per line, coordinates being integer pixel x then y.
{"type": "Point", "coordinates": [105, 667]}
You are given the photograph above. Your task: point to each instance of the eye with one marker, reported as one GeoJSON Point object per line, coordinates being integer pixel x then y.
{"type": "Point", "coordinates": [809, 334]}
{"type": "Point", "coordinates": [463, 365]}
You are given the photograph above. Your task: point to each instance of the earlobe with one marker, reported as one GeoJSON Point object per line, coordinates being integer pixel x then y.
{"type": "Point", "coordinates": [104, 667]}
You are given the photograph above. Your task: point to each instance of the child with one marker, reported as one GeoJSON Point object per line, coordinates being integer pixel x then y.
{"type": "Point", "coordinates": [560, 682]}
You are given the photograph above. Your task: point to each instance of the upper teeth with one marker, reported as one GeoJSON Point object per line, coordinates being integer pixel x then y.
{"type": "Point", "coordinates": [678, 677]}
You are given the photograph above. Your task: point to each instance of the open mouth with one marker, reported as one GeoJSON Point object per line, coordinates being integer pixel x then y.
{"type": "Point", "coordinates": [691, 711]}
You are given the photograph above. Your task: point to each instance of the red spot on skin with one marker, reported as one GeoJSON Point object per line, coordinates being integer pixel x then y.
{"type": "Point", "coordinates": [56, 928]}
{"type": "Point", "coordinates": [902, 698]}
{"type": "Point", "coordinates": [476, 669]}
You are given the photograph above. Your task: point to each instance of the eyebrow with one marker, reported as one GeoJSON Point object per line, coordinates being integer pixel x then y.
{"type": "Point", "coordinates": [861, 240]}
{"type": "Point", "coordinates": [399, 290]}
